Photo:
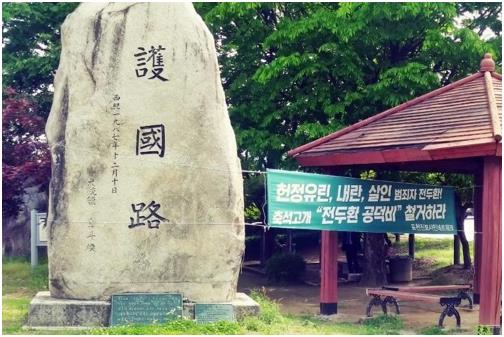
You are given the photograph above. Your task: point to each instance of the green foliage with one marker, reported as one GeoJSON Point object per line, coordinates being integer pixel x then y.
{"type": "Point", "coordinates": [293, 72]}
{"type": "Point", "coordinates": [387, 324]}
{"type": "Point", "coordinates": [269, 316]}
{"type": "Point", "coordinates": [484, 16]}
{"type": "Point", "coordinates": [14, 313]}
{"type": "Point", "coordinates": [252, 212]}
{"type": "Point", "coordinates": [484, 330]}
{"type": "Point", "coordinates": [463, 183]}
{"type": "Point", "coordinates": [17, 275]}
{"type": "Point", "coordinates": [271, 321]}
{"type": "Point", "coordinates": [20, 283]}
{"type": "Point", "coordinates": [432, 330]}
{"type": "Point", "coordinates": [270, 310]}
{"type": "Point", "coordinates": [31, 47]}
{"type": "Point", "coordinates": [254, 190]}
{"type": "Point", "coordinates": [179, 327]}
{"type": "Point", "coordinates": [285, 267]}
{"type": "Point", "coordinates": [438, 252]}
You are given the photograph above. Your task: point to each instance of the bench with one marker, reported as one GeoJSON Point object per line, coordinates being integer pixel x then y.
{"type": "Point", "coordinates": [462, 289]}
{"type": "Point", "coordinates": [382, 297]}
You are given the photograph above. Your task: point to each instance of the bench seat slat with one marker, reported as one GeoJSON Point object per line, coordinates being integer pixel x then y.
{"type": "Point", "coordinates": [419, 289]}
{"type": "Point", "coordinates": [404, 295]}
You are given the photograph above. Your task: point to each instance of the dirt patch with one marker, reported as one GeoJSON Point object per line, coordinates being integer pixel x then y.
{"type": "Point", "coordinates": [302, 299]}
{"type": "Point", "coordinates": [453, 275]}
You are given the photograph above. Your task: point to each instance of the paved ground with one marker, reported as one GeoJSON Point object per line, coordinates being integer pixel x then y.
{"type": "Point", "coordinates": [304, 299]}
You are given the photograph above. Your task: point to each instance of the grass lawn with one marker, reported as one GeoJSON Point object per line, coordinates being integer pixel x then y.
{"type": "Point", "coordinates": [21, 283]}
{"type": "Point", "coordinates": [437, 253]}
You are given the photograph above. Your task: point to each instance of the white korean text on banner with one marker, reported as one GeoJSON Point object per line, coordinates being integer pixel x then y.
{"type": "Point", "coordinates": [299, 200]}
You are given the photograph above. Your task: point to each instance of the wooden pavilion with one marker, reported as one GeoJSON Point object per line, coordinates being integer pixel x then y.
{"type": "Point", "coordinates": [454, 129]}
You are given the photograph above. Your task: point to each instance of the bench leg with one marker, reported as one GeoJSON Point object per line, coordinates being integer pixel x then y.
{"type": "Point", "coordinates": [376, 300]}
{"type": "Point", "coordinates": [464, 295]}
{"type": "Point", "coordinates": [449, 311]}
{"type": "Point", "coordinates": [392, 300]}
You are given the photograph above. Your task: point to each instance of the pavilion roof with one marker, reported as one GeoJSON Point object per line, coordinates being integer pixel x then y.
{"type": "Point", "coordinates": [462, 119]}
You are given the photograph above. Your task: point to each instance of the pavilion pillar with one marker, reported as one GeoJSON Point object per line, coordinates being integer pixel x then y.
{"type": "Point", "coordinates": [329, 273]}
{"type": "Point", "coordinates": [478, 226]}
{"type": "Point", "coordinates": [491, 260]}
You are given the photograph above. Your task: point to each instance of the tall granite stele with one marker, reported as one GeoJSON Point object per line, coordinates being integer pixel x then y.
{"type": "Point", "coordinates": [146, 191]}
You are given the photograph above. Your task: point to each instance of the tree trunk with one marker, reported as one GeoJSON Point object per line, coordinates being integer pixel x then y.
{"type": "Point", "coordinates": [456, 250]}
{"type": "Point", "coordinates": [460, 217]}
{"type": "Point", "coordinates": [267, 245]}
{"type": "Point", "coordinates": [290, 248]}
{"type": "Point", "coordinates": [374, 272]}
{"type": "Point", "coordinates": [411, 246]}
{"type": "Point", "coordinates": [466, 253]}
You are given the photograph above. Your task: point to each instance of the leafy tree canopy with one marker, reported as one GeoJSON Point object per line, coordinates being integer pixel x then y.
{"type": "Point", "coordinates": [294, 72]}
{"type": "Point", "coordinates": [31, 48]}
{"type": "Point", "coordinates": [25, 158]}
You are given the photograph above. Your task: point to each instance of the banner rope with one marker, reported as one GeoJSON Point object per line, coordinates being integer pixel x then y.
{"type": "Point", "coordinates": [252, 224]}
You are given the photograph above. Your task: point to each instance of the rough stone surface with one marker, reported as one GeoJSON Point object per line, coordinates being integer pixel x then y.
{"type": "Point", "coordinates": [196, 185]}
{"type": "Point", "coordinates": [245, 306]}
{"type": "Point", "coordinates": [48, 312]}
{"type": "Point", "coordinates": [242, 304]}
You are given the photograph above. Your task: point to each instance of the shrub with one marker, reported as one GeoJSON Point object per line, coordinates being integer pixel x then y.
{"type": "Point", "coordinates": [270, 310]}
{"type": "Point", "coordinates": [285, 267]}
{"type": "Point", "coordinates": [484, 330]}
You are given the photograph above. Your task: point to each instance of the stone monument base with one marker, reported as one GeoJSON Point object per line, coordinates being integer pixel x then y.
{"type": "Point", "coordinates": [48, 313]}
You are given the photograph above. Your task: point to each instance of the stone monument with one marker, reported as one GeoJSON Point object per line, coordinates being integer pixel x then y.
{"type": "Point", "coordinates": [146, 191]}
